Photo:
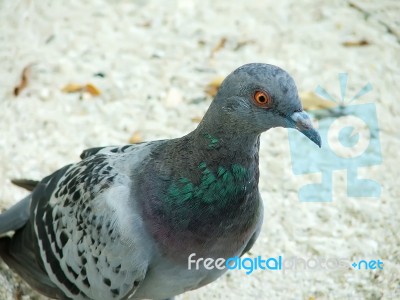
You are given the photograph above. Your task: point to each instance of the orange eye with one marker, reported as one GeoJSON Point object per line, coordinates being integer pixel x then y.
{"type": "Point", "coordinates": [262, 99]}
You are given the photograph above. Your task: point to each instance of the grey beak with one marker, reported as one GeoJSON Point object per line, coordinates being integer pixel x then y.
{"type": "Point", "coordinates": [302, 123]}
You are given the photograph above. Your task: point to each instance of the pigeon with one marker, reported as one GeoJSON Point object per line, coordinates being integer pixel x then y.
{"type": "Point", "coordinates": [122, 222]}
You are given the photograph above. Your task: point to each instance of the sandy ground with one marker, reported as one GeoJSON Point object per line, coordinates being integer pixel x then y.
{"type": "Point", "coordinates": [156, 58]}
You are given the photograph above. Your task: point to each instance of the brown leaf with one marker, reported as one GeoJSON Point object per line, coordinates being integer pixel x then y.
{"type": "Point", "coordinates": [24, 80]}
{"type": "Point", "coordinates": [312, 101]}
{"type": "Point", "coordinates": [360, 43]}
{"type": "Point", "coordinates": [92, 90]}
{"type": "Point", "coordinates": [78, 88]}
{"type": "Point", "coordinates": [219, 46]}
{"type": "Point", "coordinates": [243, 43]}
{"type": "Point", "coordinates": [72, 88]}
{"type": "Point", "coordinates": [135, 138]}
{"type": "Point", "coordinates": [212, 88]}
{"type": "Point", "coordinates": [196, 119]}
{"type": "Point", "coordinates": [145, 24]}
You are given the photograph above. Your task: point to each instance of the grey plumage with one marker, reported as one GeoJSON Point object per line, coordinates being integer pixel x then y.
{"type": "Point", "coordinates": [122, 222]}
{"type": "Point", "coordinates": [25, 183]}
{"type": "Point", "coordinates": [16, 216]}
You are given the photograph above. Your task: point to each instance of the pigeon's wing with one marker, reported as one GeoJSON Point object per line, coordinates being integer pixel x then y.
{"type": "Point", "coordinates": [20, 252]}
{"type": "Point", "coordinates": [84, 228]}
{"type": "Point", "coordinates": [115, 149]}
{"type": "Point", "coordinates": [30, 184]}
{"type": "Point", "coordinates": [17, 252]}
{"type": "Point", "coordinates": [92, 151]}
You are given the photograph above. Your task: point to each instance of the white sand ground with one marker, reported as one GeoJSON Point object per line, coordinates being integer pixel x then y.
{"type": "Point", "coordinates": [156, 57]}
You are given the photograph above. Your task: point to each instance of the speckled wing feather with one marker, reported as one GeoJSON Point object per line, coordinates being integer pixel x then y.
{"type": "Point", "coordinates": [116, 149]}
{"type": "Point", "coordinates": [85, 232]}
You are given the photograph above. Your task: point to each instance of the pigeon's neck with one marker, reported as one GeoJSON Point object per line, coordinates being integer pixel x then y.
{"type": "Point", "coordinates": [228, 138]}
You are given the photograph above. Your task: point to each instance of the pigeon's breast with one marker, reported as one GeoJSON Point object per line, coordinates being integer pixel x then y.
{"type": "Point", "coordinates": [214, 216]}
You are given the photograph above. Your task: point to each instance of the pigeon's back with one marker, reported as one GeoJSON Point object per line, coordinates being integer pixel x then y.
{"type": "Point", "coordinates": [77, 234]}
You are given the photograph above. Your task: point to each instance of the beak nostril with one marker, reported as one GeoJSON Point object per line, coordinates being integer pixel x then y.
{"type": "Point", "coordinates": [302, 122]}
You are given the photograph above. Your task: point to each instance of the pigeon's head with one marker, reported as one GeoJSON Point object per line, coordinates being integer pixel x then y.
{"type": "Point", "coordinates": [258, 97]}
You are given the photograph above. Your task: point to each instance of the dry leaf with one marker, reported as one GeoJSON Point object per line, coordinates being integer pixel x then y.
{"type": "Point", "coordinates": [92, 90]}
{"type": "Point", "coordinates": [145, 24]}
{"type": "Point", "coordinates": [72, 88]}
{"type": "Point", "coordinates": [312, 101]}
{"type": "Point", "coordinates": [212, 88]}
{"type": "Point", "coordinates": [77, 88]}
{"type": "Point", "coordinates": [196, 119]}
{"type": "Point", "coordinates": [219, 46]}
{"type": "Point", "coordinates": [24, 80]}
{"type": "Point", "coordinates": [359, 43]}
{"type": "Point", "coordinates": [136, 138]}
{"type": "Point", "coordinates": [243, 43]}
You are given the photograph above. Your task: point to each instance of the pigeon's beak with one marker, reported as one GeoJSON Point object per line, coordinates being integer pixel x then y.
{"type": "Point", "coordinates": [302, 122]}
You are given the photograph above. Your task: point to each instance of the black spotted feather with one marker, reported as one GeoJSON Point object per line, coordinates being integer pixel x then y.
{"type": "Point", "coordinates": [64, 248]}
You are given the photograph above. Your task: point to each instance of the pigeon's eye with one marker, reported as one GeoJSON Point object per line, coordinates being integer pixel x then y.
{"type": "Point", "coordinates": [262, 99]}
